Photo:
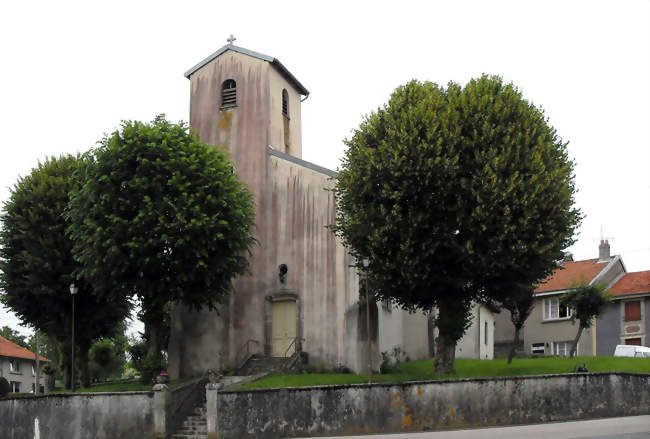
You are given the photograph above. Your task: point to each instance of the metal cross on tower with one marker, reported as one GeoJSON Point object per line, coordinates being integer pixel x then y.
{"type": "Point", "coordinates": [231, 39]}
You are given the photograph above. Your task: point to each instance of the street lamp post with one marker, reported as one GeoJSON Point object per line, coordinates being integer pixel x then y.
{"type": "Point", "coordinates": [366, 263]}
{"type": "Point", "coordinates": [73, 291]}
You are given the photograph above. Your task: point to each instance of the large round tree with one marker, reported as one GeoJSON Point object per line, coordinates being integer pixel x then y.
{"type": "Point", "coordinates": [37, 267]}
{"type": "Point", "coordinates": [161, 216]}
{"type": "Point", "coordinates": [453, 194]}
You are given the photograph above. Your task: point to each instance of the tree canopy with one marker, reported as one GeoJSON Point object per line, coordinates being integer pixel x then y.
{"type": "Point", "coordinates": [36, 263]}
{"type": "Point", "coordinates": [453, 194]}
{"type": "Point", "coordinates": [586, 302]}
{"type": "Point", "coordinates": [161, 216]}
{"type": "Point", "coordinates": [14, 336]}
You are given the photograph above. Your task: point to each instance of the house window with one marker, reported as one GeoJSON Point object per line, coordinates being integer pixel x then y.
{"type": "Point", "coordinates": [633, 341]}
{"type": "Point", "coordinates": [33, 370]}
{"type": "Point", "coordinates": [485, 337]}
{"type": "Point", "coordinates": [14, 366]}
{"type": "Point", "coordinates": [563, 348]}
{"type": "Point", "coordinates": [15, 386]}
{"type": "Point", "coordinates": [537, 348]}
{"type": "Point", "coordinates": [285, 102]}
{"type": "Point", "coordinates": [228, 93]}
{"type": "Point", "coordinates": [633, 311]}
{"type": "Point", "coordinates": [553, 310]}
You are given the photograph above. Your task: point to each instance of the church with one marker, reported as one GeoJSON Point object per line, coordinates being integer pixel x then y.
{"type": "Point", "coordinates": [302, 295]}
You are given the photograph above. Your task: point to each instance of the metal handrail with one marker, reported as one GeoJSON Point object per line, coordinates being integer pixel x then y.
{"type": "Point", "coordinates": [294, 342]}
{"type": "Point", "coordinates": [180, 404]}
{"type": "Point", "coordinates": [239, 358]}
{"type": "Point", "coordinates": [298, 350]}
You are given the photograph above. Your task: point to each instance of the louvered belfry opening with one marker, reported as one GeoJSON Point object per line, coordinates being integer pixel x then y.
{"type": "Point", "coordinates": [285, 102]}
{"type": "Point", "coordinates": [229, 93]}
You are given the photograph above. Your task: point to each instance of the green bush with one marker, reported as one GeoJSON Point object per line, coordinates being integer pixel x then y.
{"type": "Point", "coordinates": [150, 367]}
{"type": "Point", "coordinates": [5, 388]}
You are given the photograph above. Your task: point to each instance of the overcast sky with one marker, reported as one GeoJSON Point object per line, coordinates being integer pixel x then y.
{"type": "Point", "coordinates": [72, 70]}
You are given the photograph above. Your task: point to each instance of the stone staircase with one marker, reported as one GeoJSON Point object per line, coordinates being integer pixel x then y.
{"type": "Point", "coordinates": [257, 364]}
{"type": "Point", "coordinates": [195, 425]}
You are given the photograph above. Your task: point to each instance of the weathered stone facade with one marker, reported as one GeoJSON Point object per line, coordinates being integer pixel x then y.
{"type": "Point", "coordinates": [293, 210]}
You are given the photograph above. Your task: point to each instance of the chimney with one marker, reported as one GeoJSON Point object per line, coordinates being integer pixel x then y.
{"type": "Point", "coordinates": [603, 250]}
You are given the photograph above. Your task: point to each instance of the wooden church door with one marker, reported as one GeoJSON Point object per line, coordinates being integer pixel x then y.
{"type": "Point", "coordinates": [283, 327]}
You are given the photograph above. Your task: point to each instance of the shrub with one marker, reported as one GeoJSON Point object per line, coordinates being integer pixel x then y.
{"type": "Point", "coordinates": [150, 367]}
{"type": "Point", "coordinates": [5, 388]}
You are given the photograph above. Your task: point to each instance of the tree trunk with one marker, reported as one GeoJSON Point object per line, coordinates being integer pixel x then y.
{"type": "Point", "coordinates": [64, 354]}
{"type": "Point", "coordinates": [515, 343]}
{"type": "Point", "coordinates": [83, 364]}
{"type": "Point", "coordinates": [153, 339]}
{"type": "Point", "coordinates": [574, 347]}
{"type": "Point", "coordinates": [67, 384]}
{"type": "Point", "coordinates": [443, 363]}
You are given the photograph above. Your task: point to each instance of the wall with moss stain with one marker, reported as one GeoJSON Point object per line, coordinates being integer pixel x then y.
{"type": "Point", "coordinates": [432, 405]}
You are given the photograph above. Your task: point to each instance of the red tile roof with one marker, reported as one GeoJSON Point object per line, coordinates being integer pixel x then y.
{"type": "Point", "coordinates": [632, 283]}
{"type": "Point", "coordinates": [572, 274]}
{"type": "Point", "coordinates": [10, 349]}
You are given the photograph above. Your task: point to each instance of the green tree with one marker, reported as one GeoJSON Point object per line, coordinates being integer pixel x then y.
{"type": "Point", "coordinates": [48, 347]}
{"type": "Point", "coordinates": [14, 336]}
{"type": "Point", "coordinates": [519, 301]}
{"type": "Point", "coordinates": [454, 194]}
{"type": "Point", "coordinates": [586, 302]}
{"type": "Point", "coordinates": [107, 360]}
{"type": "Point", "coordinates": [161, 216]}
{"type": "Point", "coordinates": [36, 264]}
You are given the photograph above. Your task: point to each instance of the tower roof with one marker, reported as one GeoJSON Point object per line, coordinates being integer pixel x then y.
{"type": "Point", "coordinates": [273, 61]}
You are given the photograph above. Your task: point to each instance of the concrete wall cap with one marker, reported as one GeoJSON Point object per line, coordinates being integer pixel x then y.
{"type": "Point", "coordinates": [435, 382]}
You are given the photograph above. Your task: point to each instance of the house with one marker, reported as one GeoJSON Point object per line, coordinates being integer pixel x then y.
{"type": "Point", "coordinates": [549, 329]}
{"type": "Point", "coordinates": [625, 319]}
{"type": "Point", "coordinates": [478, 341]}
{"type": "Point", "coordinates": [18, 366]}
{"type": "Point", "coordinates": [303, 292]}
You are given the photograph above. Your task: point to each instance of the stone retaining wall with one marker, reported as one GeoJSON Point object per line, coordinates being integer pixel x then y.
{"type": "Point", "coordinates": [100, 415]}
{"type": "Point", "coordinates": [77, 416]}
{"type": "Point", "coordinates": [431, 405]}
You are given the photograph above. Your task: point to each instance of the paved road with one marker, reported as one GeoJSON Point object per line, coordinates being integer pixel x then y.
{"type": "Point", "coordinates": [632, 427]}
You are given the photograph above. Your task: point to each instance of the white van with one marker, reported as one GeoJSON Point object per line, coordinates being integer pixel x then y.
{"type": "Point", "coordinates": [628, 350]}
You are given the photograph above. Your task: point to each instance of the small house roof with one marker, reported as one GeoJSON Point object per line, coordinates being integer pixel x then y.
{"type": "Point", "coordinates": [11, 349]}
{"type": "Point", "coordinates": [632, 283]}
{"type": "Point", "coordinates": [572, 274]}
{"type": "Point", "coordinates": [273, 61]}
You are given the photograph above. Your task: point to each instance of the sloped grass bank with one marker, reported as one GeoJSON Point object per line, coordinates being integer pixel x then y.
{"type": "Point", "coordinates": [129, 386]}
{"type": "Point", "coordinates": [423, 370]}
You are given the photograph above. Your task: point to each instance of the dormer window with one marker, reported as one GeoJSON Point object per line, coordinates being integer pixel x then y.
{"type": "Point", "coordinates": [285, 102]}
{"type": "Point", "coordinates": [229, 93]}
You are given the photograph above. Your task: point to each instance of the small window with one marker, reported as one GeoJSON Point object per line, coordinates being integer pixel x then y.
{"type": "Point", "coordinates": [486, 334]}
{"type": "Point", "coordinates": [285, 102]}
{"type": "Point", "coordinates": [228, 93]}
{"type": "Point", "coordinates": [553, 310]}
{"type": "Point", "coordinates": [33, 370]}
{"type": "Point", "coordinates": [537, 348]}
{"type": "Point", "coordinates": [563, 348]}
{"type": "Point", "coordinates": [633, 311]}
{"type": "Point", "coordinates": [633, 341]}
{"type": "Point", "coordinates": [15, 387]}
{"type": "Point", "coordinates": [14, 366]}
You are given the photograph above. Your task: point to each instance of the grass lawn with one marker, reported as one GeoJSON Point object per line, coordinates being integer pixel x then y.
{"type": "Point", "coordinates": [423, 370]}
{"type": "Point", "coordinates": [123, 387]}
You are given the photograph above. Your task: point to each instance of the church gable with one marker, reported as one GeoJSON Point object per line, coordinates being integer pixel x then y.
{"type": "Point", "coordinates": [273, 61]}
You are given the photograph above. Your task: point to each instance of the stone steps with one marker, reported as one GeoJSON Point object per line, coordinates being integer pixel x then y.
{"type": "Point", "coordinates": [259, 364]}
{"type": "Point", "coordinates": [195, 426]}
